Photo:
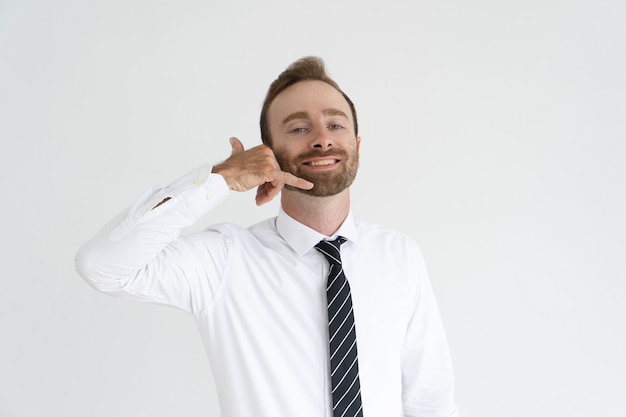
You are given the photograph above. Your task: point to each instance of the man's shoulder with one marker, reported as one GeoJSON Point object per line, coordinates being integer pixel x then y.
{"type": "Point", "coordinates": [261, 228]}
{"type": "Point", "coordinates": [256, 237]}
{"type": "Point", "coordinates": [264, 227]}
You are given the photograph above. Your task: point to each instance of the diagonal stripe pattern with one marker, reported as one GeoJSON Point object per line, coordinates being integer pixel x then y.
{"type": "Point", "coordinates": [344, 366]}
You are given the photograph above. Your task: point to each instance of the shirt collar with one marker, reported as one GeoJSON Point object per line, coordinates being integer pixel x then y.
{"type": "Point", "coordinates": [302, 238]}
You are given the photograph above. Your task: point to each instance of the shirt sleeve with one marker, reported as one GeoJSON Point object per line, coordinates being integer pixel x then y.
{"type": "Point", "coordinates": [427, 376]}
{"type": "Point", "coordinates": [141, 255]}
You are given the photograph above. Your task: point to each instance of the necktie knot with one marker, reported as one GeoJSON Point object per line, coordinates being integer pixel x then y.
{"type": "Point", "coordinates": [330, 249]}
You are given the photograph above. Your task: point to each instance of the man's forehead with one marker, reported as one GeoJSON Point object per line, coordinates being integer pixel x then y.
{"type": "Point", "coordinates": [303, 95]}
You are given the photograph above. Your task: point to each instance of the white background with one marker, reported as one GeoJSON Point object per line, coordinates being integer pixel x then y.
{"type": "Point", "coordinates": [493, 133]}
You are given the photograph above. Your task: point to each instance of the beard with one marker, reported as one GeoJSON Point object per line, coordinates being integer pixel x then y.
{"type": "Point", "coordinates": [327, 183]}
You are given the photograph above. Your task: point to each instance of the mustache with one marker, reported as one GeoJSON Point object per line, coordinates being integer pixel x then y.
{"type": "Point", "coordinates": [336, 153]}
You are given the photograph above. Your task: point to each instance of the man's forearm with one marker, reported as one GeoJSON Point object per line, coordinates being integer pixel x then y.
{"type": "Point", "coordinates": [134, 237]}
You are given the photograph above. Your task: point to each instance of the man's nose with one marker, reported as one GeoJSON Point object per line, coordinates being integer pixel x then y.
{"type": "Point", "coordinates": [322, 138]}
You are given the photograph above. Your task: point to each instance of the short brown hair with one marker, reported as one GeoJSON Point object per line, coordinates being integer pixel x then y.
{"type": "Point", "coordinates": [307, 68]}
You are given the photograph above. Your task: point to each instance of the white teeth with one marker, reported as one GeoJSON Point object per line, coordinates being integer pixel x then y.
{"type": "Point", "coordinates": [322, 163]}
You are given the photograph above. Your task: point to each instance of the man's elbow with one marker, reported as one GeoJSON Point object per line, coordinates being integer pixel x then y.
{"type": "Point", "coordinates": [89, 265]}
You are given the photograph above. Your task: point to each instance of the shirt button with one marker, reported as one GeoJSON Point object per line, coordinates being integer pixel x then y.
{"type": "Point", "coordinates": [209, 196]}
{"type": "Point", "coordinates": [198, 181]}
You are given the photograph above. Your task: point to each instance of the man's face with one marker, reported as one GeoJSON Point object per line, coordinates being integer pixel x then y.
{"type": "Point", "coordinates": [313, 136]}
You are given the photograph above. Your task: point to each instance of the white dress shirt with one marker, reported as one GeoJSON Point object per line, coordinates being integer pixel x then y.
{"type": "Point", "coordinates": [258, 297]}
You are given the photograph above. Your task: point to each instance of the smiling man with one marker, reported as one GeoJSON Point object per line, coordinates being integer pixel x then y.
{"type": "Point", "coordinates": [311, 313]}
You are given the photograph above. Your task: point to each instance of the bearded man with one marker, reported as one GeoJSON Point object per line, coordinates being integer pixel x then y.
{"type": "Point", "coordinates": [311, 313]}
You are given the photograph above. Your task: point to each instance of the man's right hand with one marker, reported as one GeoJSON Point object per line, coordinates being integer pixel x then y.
{"type": "Point", "coordinates": [256, 167]}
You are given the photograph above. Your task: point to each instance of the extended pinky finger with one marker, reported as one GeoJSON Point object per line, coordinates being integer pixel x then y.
{"type": "Point", "coordinates": [297, 182]}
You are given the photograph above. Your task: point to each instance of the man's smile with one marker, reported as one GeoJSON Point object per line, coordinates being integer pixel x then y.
{"type": "Point", "coordinates": [322, 162]}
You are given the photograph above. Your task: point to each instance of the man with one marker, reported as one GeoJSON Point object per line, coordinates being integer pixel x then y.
{"type": "Point", "coordinates": [311, 313]}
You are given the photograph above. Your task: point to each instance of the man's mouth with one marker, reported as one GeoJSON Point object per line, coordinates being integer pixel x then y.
{"type": "Point", "coordinates": [322, 162]}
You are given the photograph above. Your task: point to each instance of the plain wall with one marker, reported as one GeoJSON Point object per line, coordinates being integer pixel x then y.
{"type": "Point", "coordinates": [493, 133]}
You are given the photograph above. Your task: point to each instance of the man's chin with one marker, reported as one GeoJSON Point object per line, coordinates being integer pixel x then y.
{"type": "Point", "coordinates": [326, 183]}
{"type": "Point", "coordinates": [322, 188]}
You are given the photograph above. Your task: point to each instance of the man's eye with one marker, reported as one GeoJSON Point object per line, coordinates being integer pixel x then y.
{"type": "Point", "coordinates": [335, 126]}
{"type": "Point", "coordinates": [299, 129]}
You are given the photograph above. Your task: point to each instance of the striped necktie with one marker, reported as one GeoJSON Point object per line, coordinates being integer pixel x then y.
{"type": "Point", "coordinates": [344, 366]}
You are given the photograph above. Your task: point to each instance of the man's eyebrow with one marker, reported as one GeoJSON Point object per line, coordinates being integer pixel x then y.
{"type": "Point", "coordinates": [296, 115]}
{"type": "Point", "coordinates": [334, 112]}
{"type": "Point", "coordinates": [305, 115]}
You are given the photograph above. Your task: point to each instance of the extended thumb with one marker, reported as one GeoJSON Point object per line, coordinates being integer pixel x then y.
{"type": "Point", "coordinates": [236, 145]}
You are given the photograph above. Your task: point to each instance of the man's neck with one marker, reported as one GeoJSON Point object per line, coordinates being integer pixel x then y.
{"type": "Point", "coordinates": [322, 214]}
